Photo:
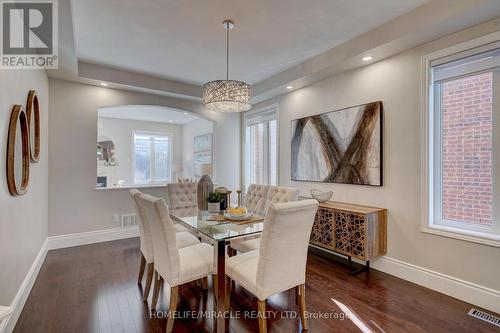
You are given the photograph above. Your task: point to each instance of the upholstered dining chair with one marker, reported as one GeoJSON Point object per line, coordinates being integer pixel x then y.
{"type": "Point", "coordinates": [280, 262]}
{"type": "Point", "coordinates": [275, 194]}
{"type": "Point", "coordinates": [182, 197]}
{"type": "Point", "coordinates": [255, 198]}
{"type": "Point", "coordinates": [183, 239]}
{"type": "Point", "coordinates": [255, 202]}
{"type": "Point", "coordinates": [279, 194]}
{"type": "Point", "coordinates": [173, 265]}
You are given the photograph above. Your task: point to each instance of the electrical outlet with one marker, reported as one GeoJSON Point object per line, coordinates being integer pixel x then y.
{"type": "Point", "coordinates": [116, 218]}
{"type": "Point", "coordinates": [128, 220]}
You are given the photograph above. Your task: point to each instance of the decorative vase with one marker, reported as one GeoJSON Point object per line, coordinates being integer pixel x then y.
{"type": "Point", "coordinates": [213, 207]}
{"type": "Point", "coordinates": [205, 186]}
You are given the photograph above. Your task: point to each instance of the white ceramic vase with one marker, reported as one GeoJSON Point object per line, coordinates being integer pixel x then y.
{"type": "Point", "coordinates": [213, 207]}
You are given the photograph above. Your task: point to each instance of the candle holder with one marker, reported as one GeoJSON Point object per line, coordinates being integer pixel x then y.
{"type": "Point", "coordinates": [239, 197]}
{"type": "Point", "coordinates": [228, 199]}
{"type": "Point", "coordinates": [223, 191]}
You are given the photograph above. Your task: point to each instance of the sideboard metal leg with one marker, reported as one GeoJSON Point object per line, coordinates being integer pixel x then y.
{"type": "Point", "coordinates": [364, 268]}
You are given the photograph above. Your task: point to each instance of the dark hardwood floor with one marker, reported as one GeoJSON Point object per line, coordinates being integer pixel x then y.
{"type": "Point", "coordinates": [93, 288]}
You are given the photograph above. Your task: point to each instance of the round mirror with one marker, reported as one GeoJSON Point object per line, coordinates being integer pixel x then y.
{"type": "Point", "coordinates": [33, 116]}
{"type": "Point", "coordinates": [18, 154]}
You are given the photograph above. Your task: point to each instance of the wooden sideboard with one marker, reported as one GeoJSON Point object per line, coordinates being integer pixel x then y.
{"type": "Point", "coordinates": [352, 230]}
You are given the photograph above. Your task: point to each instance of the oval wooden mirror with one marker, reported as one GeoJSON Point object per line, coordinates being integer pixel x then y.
{"type": "Point", "coordinates": [33, 117]}
{"type": "Point", "coordinates": [18, 152]}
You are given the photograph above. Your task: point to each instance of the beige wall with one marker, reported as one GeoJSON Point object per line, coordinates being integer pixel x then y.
{"type": "Point", "coordinates": [23, 220]}
{"type": "Point", "coordinates": [74, 204]}
{"type": "Point", "coordinates": [397, 82]}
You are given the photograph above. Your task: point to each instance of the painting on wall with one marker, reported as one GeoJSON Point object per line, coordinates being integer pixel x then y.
{"type": "Point", "coordinates": [343, 146]}
{"type": "Point", "coordinates": [202, 151]}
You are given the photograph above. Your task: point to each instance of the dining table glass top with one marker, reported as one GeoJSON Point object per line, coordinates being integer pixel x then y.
{"type": "Point", "coordinates": [216, 230]}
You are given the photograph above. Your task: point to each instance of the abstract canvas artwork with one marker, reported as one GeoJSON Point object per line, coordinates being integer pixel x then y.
{"type": "Point", "coordinates": [343, 146]}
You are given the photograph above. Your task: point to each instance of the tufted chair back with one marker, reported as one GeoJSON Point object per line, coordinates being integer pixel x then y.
{"type": "Point", "coordinates": [255, 199]}
{"type": "Point", "coordinates": [182, 197]}
{"type": "Point", "coordinates": [283, 246]}
{"type": "Point", "coordinates": [144, 227]}
{"type": "Point", "coordinates": [279, 194]}
{"type": "Point", "coordinates": [167, 262]}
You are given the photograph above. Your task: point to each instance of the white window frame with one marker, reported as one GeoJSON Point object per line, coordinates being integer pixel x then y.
{"type": "Point", "coordinates": [253, 114]}
{"type": "Point", "coordinates": [430, 151]}
{"type": "Point", "coordinates": [152, 133]}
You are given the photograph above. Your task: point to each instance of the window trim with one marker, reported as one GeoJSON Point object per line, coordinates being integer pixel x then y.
{"type": "Point", "coordinates": [254, 113]}
{"type": "Point", "coordinates": [427, 144]}
{"type": "Point", "coordinates": [153, 133]}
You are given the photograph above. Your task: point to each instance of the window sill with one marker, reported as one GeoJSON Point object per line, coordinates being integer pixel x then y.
{"type": "Point", "coordinates": [466, 235]}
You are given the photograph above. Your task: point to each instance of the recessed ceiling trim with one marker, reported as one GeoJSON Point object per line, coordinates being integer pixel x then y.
{"type": "Point", "coordinates": [400, 34]}
{"type": "Point", "coordinates": [391, 38]}
{"type": "Point", "coordinates": [106, 74]}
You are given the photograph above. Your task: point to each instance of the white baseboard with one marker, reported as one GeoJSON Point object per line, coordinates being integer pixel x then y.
{"type": "Point", "coordinates": [58, 242]}
{"type": "Point", "coordinates": [481, 296]}
{"type": "Point", "coordinates": [91, 237]}
{"type": "Point", "coordinates": [7, 326]}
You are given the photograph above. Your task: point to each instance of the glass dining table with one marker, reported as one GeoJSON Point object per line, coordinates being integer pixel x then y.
{"type": "Point", "coordinates": [219, 234]}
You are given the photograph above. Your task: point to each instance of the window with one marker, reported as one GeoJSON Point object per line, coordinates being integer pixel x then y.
{"type": "Point", "coordinates": [153, 157]}
{"type": "Point", "coordinates": [261, 164]}
{"type": "Point", "coordinates": [463, 145]}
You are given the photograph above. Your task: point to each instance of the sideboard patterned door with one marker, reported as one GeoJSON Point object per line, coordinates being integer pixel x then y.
{"type": "Point", "coordinates": [322, 232]}
{"type": "Point", "coordinates": [352, 230]}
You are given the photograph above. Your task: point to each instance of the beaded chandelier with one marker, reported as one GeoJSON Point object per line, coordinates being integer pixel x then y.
{"type": "Point", "coordinates": [227, 95]}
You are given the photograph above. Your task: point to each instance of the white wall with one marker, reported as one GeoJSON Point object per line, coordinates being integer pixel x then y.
{"type": "Point", "coordinates": [189, 131]}
{"type": "Point", "coordinates": [23, 220]}
{"type": "Point", "coordinates": [121, 132]}
{"type": "Point", "coordinates": [397, 82]}
{"type": "Point", "coordinates": [74, 204]}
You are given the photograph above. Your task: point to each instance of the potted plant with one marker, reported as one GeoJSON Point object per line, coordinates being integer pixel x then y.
{"type": "Point", "coordinates": [214, 200]}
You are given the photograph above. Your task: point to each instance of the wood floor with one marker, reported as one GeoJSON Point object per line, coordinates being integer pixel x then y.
{"type": "Point", "coordinates": [93, 288]}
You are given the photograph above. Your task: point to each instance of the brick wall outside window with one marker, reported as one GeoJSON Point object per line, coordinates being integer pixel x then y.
{"type": "Point", "coordinates": [467, 128]}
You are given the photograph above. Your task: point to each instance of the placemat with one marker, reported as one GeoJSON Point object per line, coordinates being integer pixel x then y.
{"type": "Point", "coordinates": [222, 218]}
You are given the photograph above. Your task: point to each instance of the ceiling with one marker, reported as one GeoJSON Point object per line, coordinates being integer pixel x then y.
{"type": "Point", "coordinates": [185, 40]}
{"type": "Point", "coordinates": [148, 113]}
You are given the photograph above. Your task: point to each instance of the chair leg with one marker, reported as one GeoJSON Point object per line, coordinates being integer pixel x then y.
{"type": "Point", "coordinates": [301, 291]}
{"type": "Point", "coordinates": [141, 269]}
{"type": "Point", "coordinates": [156, 290]}
{"type": "Point", "coordinates": [149, 279]}
{"type": "Point", "coordinates": [262, 316]}
{"type": "Point", "coordinates": [214, 286]}
{"type": "Point", "coordinates": [174, 297]}
{"type": "Point", "coordinates": [204, 283]}
{"type": "Point", "coordinates": [227, 285]}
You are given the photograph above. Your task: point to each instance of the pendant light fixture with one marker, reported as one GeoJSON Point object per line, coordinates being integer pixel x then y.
{"type": "Point", "coordinates": [227, 95]}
